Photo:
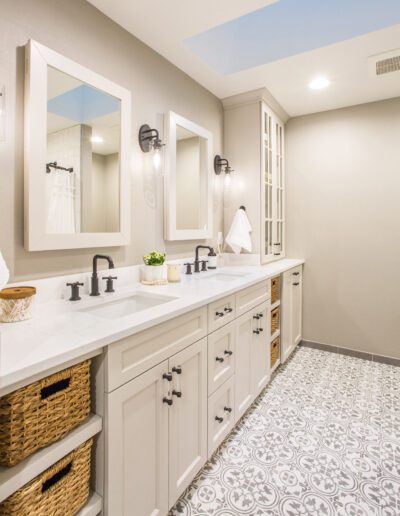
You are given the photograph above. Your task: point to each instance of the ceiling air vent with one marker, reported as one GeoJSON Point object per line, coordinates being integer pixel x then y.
{"type": "Point", "coordinates": [382, 64]}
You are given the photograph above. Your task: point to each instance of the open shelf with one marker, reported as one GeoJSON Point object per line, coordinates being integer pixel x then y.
{"type": "Point", "coordinates": [93, 506]}
{"type": "Point", "coordinates": [275, 335]}
{"type": "Point", "coordinates": [276, 365]}
{"type": "Point", "coordinates": [276, 304]}
{"type": "Point", "coordinates": [11, 479]}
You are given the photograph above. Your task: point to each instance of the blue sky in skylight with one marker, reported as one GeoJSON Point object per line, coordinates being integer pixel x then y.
{"type": "Point", "coordinates": [290, 27]}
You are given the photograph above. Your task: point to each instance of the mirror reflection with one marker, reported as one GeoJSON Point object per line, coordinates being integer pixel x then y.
{"type": "Point", "coordinates": [191, 180]}
{"type": "Point", "coordinates": [83, 157]}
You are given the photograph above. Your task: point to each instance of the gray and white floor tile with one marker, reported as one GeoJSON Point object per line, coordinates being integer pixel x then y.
{"type": "Point", "coordinates": [322, 439]}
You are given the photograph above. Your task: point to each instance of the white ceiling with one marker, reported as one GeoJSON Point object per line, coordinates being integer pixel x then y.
{"type": "Point", "coordinates": [164, 25]}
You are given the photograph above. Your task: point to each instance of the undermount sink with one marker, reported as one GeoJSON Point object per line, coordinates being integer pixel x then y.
{"type": "Point", "coordinates": [225, 276]}
{"type": "Point", "coordinates": [126, 306]}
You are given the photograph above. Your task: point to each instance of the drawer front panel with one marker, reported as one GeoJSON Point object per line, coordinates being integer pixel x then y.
{"type": "Point", "coordinates": [131, 356]}
{"type": "Point", "coordinates": [220, 415]}
{"type": "Point", "coordinates": [221, 312]}
{"type": "Point", "coordinates": [221, 356]}
{"type": "Point", "coordinates": [249, 298]}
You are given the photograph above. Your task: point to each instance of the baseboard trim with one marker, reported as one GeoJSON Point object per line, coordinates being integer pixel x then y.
{"type": "Point", "coordinates": [351, 352]}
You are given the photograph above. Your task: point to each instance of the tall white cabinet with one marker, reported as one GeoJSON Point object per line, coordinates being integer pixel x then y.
{"type": "Point", "coordinates": [254, 145]}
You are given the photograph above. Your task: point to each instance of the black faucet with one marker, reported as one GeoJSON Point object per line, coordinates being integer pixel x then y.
{"type": "Point", "coordinates": [95, 279]}
{"type": "Point", "coordinates": [197, 261]}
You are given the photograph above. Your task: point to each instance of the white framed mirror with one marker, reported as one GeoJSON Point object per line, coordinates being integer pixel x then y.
{"type": "Point", "coordinates": [76, 159]}
{"type": "Point", "coordinates": [188, 180]}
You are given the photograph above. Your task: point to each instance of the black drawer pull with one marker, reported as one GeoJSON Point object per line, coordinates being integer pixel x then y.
{"type": "Point", "coordinates": [229, 310]}
{"type": "Point", "coordinates": [54, 388]}
{"type": "Point", "coordinates": [219, 419]}
{"type": "Point", "coordinates": [228, 352]}
{"type": "Point", "coordinates": [296, 283]}
{"type": "Point", "coordinates": [228, 409]}
{"type": "Point", "coordinates": [260, 329]}
{"type": "Point", "coordinates": [177, 370]}
{"type": "Point", "coordinates": [256, 331]}
{"type": "Point", "coordinates": [260, 315]}
{"type": "Point", "coordinates": [167, 376]}
{"type": "Point", "coordinates": [167, 401]}
{"type": "Point", "coordinates": [219, 314]}
{"type": "Point", "coordinates": [295, 273]}
{"type": "Point", "coordinates": [219, 359]}
{"type": "Point", "coordinates": [56, 477]}
{"type": "Point", "coordinates": [178, 394]}
{"type": "Point", "coordinates": [256, 316]}
{"type": "Point", "coordinates": [277, 254]}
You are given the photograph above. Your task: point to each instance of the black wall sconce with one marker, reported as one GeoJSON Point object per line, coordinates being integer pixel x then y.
{"type": "Point", "coordinates": [149, 140]}
{"type": "Point", "coordinates": [222, 165]}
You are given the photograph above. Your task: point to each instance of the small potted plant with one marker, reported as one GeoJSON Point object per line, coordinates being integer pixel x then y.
{"type": "Point", "coordinates": [153, 266]}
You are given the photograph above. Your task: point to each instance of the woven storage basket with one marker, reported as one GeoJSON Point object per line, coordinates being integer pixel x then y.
{"type": "Point", "coordinates": [275, 316]}
{"type": "Point", "coordinates": [275, 289]}
{"type": "Point", "coordinates": [59, 491]}
{"type": "Point", "coordinates": [43, 412]}
{"type": "Point", "coordinates": [275, 350]}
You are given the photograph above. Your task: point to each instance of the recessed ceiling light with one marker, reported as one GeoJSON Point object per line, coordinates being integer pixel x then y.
{"type": "Point", "coordinates": [319, 83]}
{"type": "Point", "coordinates": [97, 139]}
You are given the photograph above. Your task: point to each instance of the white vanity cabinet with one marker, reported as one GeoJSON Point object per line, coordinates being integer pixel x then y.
{"type": "Point", "coordinates": [252, 356]}
{"type": "Point", "coordinates": [157, 434]}
{"type": "Point", "coordinates": [291, 327]}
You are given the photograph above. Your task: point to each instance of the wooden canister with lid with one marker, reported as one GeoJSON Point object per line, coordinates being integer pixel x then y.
{"type": "Point", "coordinates": [16, 303]}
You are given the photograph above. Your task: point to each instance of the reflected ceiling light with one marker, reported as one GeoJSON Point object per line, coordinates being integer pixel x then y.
{"type": "Point", "coordinates": [319, 83]}
{"type": "Point", "coordinates": [97, 139]}
{"type": "Point", "coordinates": [149, 140]}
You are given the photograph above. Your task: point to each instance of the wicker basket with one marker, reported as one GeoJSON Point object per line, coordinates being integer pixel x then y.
{"type": "Point", "coordinates": [275, 316]}
{"type": "Point", "coordinates": [43, 412]}
{"type": "Point", "coordinates": [59, 491]}
{"type": "Point", "coordinates": [275, 289]}
{"type": "Point", "coordinates": [275, 350]}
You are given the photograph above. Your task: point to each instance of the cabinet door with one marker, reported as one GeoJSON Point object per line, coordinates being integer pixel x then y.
{"type": "Point", "coordinates": [297, 288]}
{"type": "Point", "coordinates": [187, 417]}
{"type": "Point", "coordinates": [243, 366]}
{"type": "Point", "coordinates": [261, 355]}
{"type": "Point", "coordinates": [221, 356]}
{"type": "Point", "coordinates": [137, 446]}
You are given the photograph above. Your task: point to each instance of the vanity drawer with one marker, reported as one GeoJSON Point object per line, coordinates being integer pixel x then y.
{"type": "Point", "coordinates": [130, 357]}
{"type": "Point", "coordinates": [221, 312]}
{"type": "Point", "coordinates": [250, 297]}
{"type": "Point", "coordinates": [221, 356]}
{"type": "Point", "coordinates": [220, 415]}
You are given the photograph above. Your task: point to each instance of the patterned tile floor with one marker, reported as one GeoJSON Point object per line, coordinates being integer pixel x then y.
{"type": "Point", "coordinates": [323, 439]}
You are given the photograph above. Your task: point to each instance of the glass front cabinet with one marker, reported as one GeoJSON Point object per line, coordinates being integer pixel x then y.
{"type": "Point", "coordinates": [254, 143]}
{"type": "Point", "coordinates": [272, 186]}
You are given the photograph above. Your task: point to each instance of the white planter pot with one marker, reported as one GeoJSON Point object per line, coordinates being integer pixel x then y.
{"type": "Point", "coordinates": [153, 272]}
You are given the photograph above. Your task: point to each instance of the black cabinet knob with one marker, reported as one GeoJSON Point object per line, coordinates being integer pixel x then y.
{"type": "Point", "coordinates": [228, 352]}
{"type": "Point", "coordinates": [178, 394]}
{"type": "Point", "coordinates": [219, 314]}
{"type": "Point", "coordinates": [260, 315]}
{"type": "Point", "coordinates": [256, 316]}
{"type": "Point", "coordinates": [219, 419]}
{"type": "Point", "coordinates": [260, 329]}
{"type": "Point", "coordinates": [295, 273]}
{"type": "Point", "coordinates": [296, 283]}
{"type": "Point", "coordinates": [168, 401]}
{"type": "Point", "coordinates": [167, 376]}
{"type": "Point", "coordinates": [256, 331]}
{"type": "Point", "coordinates": [219, 359]}
{"type": "Point", "coordinates": [228, 409]}
{"type": "Point", "coordinates": [228, 310]}
{"type": "Point", "coordinates": [177, 369]}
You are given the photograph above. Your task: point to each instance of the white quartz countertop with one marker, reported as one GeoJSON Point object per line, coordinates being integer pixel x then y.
{"type": "Point", "coordinates": [60, 332]}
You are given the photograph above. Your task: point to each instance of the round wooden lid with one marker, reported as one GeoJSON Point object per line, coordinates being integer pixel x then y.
{"type": "Point", "coordinates": [17, 292]}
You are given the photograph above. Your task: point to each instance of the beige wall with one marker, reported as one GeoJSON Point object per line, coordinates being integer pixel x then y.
{"type": "Point", "coordinates": [343, 217]}
{"type": "Point", "coordinates": [80, 32]}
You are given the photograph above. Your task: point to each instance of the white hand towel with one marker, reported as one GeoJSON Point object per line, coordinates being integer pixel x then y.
{"type": "Point", "coordinates": [4, 273]}
{"type": "Point", "coordinates": [239, 234]}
